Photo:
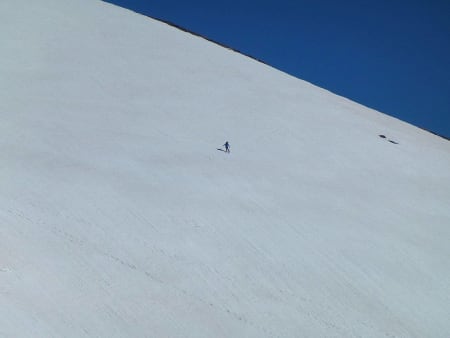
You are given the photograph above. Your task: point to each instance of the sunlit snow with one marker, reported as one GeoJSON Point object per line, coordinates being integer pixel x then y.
{"type": "Point", "coordinates": [120, 218]}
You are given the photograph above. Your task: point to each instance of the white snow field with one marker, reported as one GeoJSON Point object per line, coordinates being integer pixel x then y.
{"type": "Point", "coordinates": [120, 218]}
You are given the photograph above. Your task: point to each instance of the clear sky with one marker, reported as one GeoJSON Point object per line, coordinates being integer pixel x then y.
{"type": "Point", "coordinates": [393, 56]}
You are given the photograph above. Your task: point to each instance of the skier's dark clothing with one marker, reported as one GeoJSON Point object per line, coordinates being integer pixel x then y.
{"type": "Point", "coordinates": [227, 147]}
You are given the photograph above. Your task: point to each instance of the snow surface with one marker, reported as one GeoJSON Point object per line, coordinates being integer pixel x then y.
{"type": "Point", "coordinates": [119, 218]}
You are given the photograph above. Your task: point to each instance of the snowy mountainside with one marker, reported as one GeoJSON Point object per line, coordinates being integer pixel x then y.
{"type": "Point", "coordinates": [119, 218]}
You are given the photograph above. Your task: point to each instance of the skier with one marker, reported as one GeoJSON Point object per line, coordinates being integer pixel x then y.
{"type": "Point", "coordinates": [227, 147]}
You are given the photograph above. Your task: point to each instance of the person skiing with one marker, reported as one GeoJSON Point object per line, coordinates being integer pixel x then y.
{"type": "Point", "coordinates": [227, 147]}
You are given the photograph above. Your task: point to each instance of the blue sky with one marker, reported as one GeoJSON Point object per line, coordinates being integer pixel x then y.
{"type": "Point", "coordinates": [393, 56]}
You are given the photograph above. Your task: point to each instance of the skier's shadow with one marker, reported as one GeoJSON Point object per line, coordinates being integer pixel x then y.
{"type": "Point", "coordinates": [221, 150]}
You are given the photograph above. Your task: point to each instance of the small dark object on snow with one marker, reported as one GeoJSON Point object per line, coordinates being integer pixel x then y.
{"type": "Point", "coordinates": [383, 136]}
{"type": "Point", "coordinates": [227, 147]}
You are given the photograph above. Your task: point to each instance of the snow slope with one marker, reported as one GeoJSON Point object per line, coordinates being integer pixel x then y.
{"type": "Point", "coordinates": [119, 218]}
